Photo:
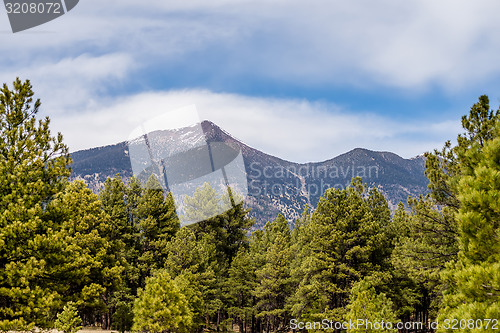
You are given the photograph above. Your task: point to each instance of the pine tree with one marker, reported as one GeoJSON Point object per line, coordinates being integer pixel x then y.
{"type": "Point", "coordinates": [433, 226]}
{"type": "Point", "coordinates": [227, 229]}
{"type": "Point", "coordinates": [426, 241]}
{"type": "Point", "coordinates": [259, 244]}
{"type": "Point", "coordinates": [113, 201]}
{"type": "Point", "coordinates": [189, 286]}
{"type": "Point", "coordinates": [68, 320]}
{"type": "Point", "coordinates": [136, 270]}
{"type": "Point", "coordinates": [186, 252]}
{"type": "Point", "coordinates": [475, 277]}
{"type": "Point", "coordinates": [274, 277]}
{"type": "Point", "coordinates": [192, 260]}
{"type": "Point", "coordinates": [88, 269]}
{"type": "Point", "coordinates": [158, 223]}
{"type": "Point", "coordinates": [161, 307]}
{"type": "Point", "coordinates": [400, 284]}
{"type": "Point", "coordinates": [203, 205]}
{"type": "Point", "coordinates": [346, 242]}
{"type": "Point", "coordinates": [118, 201]}
{"type": "Point", "coordinates": [33, 166]}
{"type": "Point", "coordinates": [301, 237]}
{"type": "Point", "coordinates": [122, 316]}
{"type": "Point", "coordinates": [370, 309]}
{"type": "Point", "coordinates": [241, 283]}
{"type": "Point", "coordinates": [429, 241]}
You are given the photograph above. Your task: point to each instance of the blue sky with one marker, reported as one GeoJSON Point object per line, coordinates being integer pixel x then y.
{"type": "Point", "coordinates": [302, 80]}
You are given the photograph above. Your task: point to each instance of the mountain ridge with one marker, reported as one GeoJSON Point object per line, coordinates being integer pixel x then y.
{"type": "Point", "coordinates": [275, 185]}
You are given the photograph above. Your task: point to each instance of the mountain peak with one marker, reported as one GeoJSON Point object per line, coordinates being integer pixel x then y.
{"type": "Point", "coordinates": [274, 185]}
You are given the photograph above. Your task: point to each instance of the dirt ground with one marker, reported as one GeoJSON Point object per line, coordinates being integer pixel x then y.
{"type": "Point", "coordinates": [95, 330]}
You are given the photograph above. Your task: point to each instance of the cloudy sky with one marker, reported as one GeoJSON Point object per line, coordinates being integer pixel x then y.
{"type": "Point", "coordinates": [302, 80]}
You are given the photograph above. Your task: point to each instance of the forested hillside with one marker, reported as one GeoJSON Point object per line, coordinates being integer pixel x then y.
{"type": "Point", "coordinates": [119, 259]}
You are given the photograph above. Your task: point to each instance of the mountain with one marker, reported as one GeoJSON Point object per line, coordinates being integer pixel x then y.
{"type": "Point", "coordinates": [274, 185]}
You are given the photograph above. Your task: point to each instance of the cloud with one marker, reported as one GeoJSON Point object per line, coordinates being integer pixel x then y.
{"type": "Point", "coordinates": [95, 67]}
{"type": "Point", "coordinates": [71, 84]}
{"type": "Point", "coordinates": [411, 45]}
{"type": "Point", "coordinates": [295, 130]}
{"type": "Point", "coordinates": [448, 43]}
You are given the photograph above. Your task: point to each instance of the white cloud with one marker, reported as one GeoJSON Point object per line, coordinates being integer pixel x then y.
{"type": "Point", "coordinates": [295, 130]}
{"type": "Point", "coordinates": [410, 45]}
{"type": "Point", "coordinates": [449, 43]}
{"type": "Point", "coordinates": [71, 84]}
{"type": "Point", "coordinates": [414, 45]}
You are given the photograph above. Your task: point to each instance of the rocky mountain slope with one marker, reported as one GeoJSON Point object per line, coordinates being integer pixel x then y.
{"type": "Point", "coordinates": [274, 185]}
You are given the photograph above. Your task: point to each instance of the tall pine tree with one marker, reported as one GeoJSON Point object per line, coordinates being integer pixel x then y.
{"type": "Point", "coordinates": [33, 165]}
{"type": "Point", "coordinates": [474, 295]}
{"type": "Point", "coordinates": [434, 227]}
{"type": "Point", "coordinates": [346, 245]}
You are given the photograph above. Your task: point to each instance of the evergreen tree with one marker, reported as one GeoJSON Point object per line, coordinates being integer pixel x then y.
{"type": "Point", "coordinates": [274, 277]}
{"type": "Point", "coordinates": [402, 283]}
{"type": "Point", "coordinates": [137, 270]}
{"type": "Point", "coordinates": [259, 244]}
{"type": "Point", "coordinates": [122, 316]}
{"type": "Point", "coordinates": [228, 231]}
{"type": "Point", "coordinates": [186, 252]}
{"type": "Point", "coordinates": [87, 267]}
{"type": "Point", "coordinates": [429, 241]}
{"type": "Point", "coordinates": [158, 223]}
{"type": "Point", "coordinates": [33, 166]}
{"type": "Point", "coordinates": [347, 239]}
{"type": "Point", "coordinates": [370, 309]}
{"type": "Point", "coordinates": [475, 278]}
{"type": "Point", "coordinates": [437, 229]}
{"type": "Point", "coordinates": [68, 320]}
{"type": "Point", "coordinates": [433, 226]}
{"type": "Point", "coordinates": [204, 204]}
{"type": "Point", "coordinates": [241, 283]}
{"type": "Point", "coordinates": [193, 262]}
{"type": "Point", "coordinates": [161, 307]}
{"type": "Point", "coordinates": [142, 221]}
{"type": "Point", "coordinates": [189, 286]}
{"type": "Point", "coordinates": [301, 237]}
{"type": "Point", "coordinates": [426, 241]}
{"type": "Point", "coordinates": [123, 237]}
{"type": "Point", "coordinates": [113, 201]}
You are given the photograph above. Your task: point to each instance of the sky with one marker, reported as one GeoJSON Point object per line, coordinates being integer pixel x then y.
{"type": "Point", "coordinates": [301, 80]}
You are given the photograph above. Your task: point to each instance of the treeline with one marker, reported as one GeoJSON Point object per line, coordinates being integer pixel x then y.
{"type": "Point", "coordinates": [119, 259]}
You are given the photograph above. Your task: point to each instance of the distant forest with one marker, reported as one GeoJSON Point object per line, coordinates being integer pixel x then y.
{"type": "Point", "coordinates": [120, 260]}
